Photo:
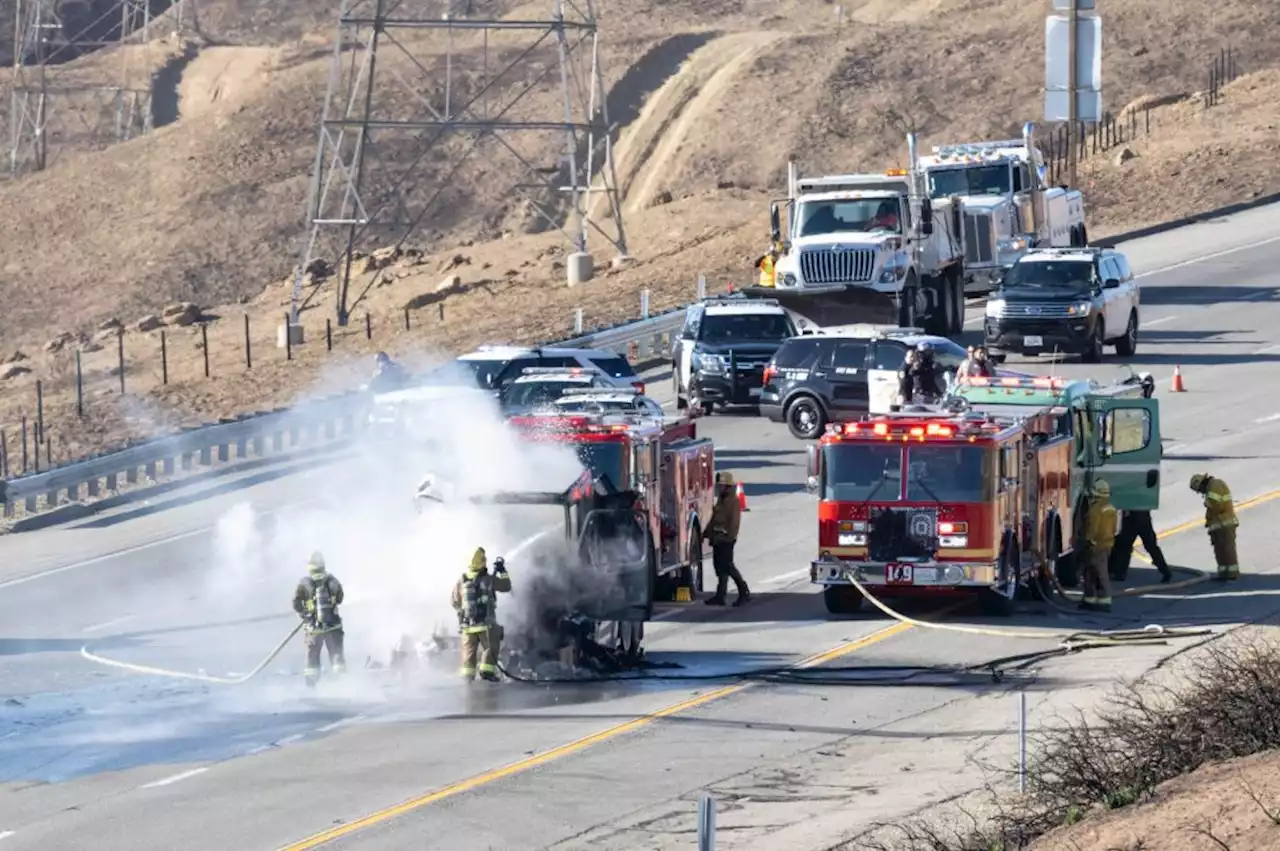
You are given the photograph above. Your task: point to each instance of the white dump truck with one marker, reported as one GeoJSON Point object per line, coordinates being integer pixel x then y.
{"type": "Point", "coordinates": [869, 247]}
{"type": "Point", "coordinates": [1006, 205]}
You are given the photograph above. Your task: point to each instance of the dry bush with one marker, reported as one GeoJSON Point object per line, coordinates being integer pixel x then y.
{"type": "Point", "coordinates": [1226, 706]}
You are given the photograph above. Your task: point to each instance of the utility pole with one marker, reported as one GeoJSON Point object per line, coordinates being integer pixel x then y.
{"type": "Point", "coordinates": [1073, 90]}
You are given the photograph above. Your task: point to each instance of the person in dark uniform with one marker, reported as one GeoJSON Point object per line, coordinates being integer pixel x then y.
{"type": "Point", "coordinates": [1136, 525]}
{"type": "Point", "coordinates": [918, 379]}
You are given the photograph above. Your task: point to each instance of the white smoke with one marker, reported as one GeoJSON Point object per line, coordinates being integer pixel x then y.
{"type": "Point", "coordinates": [398, 564]}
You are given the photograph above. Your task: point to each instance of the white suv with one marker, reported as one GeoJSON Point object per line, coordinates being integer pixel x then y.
{"type": "Point", "coordinates": [495, 367]}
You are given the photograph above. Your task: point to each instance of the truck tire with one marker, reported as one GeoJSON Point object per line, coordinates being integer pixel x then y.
{"type": "Point", "coordinates": [907, 302]}
{"type": "Point", "coordinates": [994, 602]}
{"type": "Point", "coordinates": [694, 574]}
{"type": "Point", "coordinates": [940, 318]}
{"type": "Point", "coordinates": [681, 404]}
{"type": "Point", "coordinates": [842, 599]}
{"type": "Point", "coordinates": [1093, 354]}
{"type": "Point", "coordinates": [957, 289]}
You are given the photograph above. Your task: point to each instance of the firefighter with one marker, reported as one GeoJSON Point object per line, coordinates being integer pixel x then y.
{"type": "Point", "coordinates": [316, 600]}
{"type": "Point", "coordinates": [1100, 536]}
{"type": "Point", "coordinates": [723, 534]}
{"type": "Point", "coordinates": [1220, 520]}
{"type": "Point", "coordinates": [1136, 525]}
{"type": "Point", "coordinates": [476, 604]}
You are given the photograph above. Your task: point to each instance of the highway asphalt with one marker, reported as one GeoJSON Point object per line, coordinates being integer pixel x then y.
{"type": "Point", "coordinates": [90, 754]}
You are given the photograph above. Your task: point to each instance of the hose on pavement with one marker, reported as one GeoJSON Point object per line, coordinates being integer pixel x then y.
{"type": "Point", "coordinates": [183, 675]}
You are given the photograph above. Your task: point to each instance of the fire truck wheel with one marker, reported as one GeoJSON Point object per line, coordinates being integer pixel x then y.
{"type": "Point", "coordinates": [842, 599]}
{"type": "Point", "coordinates": [693, 575]}
{"type": "Point", "coordinates": [681, 403]}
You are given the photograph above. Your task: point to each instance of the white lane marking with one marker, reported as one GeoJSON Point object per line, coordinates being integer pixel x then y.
{"type": "Point", "coordinates": [288, 740]}
{"type": "Point", "coordinates": [176, 778]}
{"type": "Point", "coordinates": [5, 834]}
{"type": "Point", "coordinates": [1269, 419]}
{"type": "Point", "coordinates": [341, 722]}
{"type": "Point", "coordinates": [786, 577]}
{"type": "Point", "coordinates": [1267, 349]}
{"type": "Point", "coordinates": [1215, 255]}
{"type": "Point", "coordinates": [1160, 321]}
{"type": "Point", "coordinates": [106, 624]}
{"type": "Point", "coordinates": [258, 749]}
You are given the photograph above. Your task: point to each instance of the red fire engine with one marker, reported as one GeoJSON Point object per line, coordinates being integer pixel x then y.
{"type": "Point", "coordinates": [934, 503]}
{"type": "Point", "coordinates": [661, 460]}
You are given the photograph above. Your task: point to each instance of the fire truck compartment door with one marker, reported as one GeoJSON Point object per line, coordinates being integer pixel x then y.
{"type": "Point", "coordinates": [1127, 450]}
{"type": "Point", "coordinates": [882, 389]}
{"type": "Point", "coordinates": [617, 550]}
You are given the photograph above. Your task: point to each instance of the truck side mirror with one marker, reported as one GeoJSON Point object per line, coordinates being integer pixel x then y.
{"type": "Point", "coordinates": [811, 484]}
{"type": "Point", "coordinates": [1111, 283]}
{"type": "Point", "coordinates": [926, 217]}
{"type": "Point", "coordinates": [813, 467]}
{"type": "Point", "coordinates": [775, 223]}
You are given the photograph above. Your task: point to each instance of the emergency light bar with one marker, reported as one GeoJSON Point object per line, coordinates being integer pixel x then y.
{"type": "Point", "coordinates": [569, 423]}
{"type": "Point", "coordinates": [1016, 382]}
{"type": "Point", "coordinates": [740, 300]}
{"type": "Point", "coordinates": [559, 370]}
{"type": "Point", "coordinates": [600, 391]}
{"type": "Point", "coordinates": [918, 430]}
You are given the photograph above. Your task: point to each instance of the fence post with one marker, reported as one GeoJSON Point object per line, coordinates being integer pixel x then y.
{"type": "Point", "coordinates": [328, 335]}
{"type": "Point", "coordinates": [1022, 742]}
{"type": "Point", "coordinates": [406, 317]}
{"type": "Point", "coordinates": [24, 444]}
{"type": "Point", "coordinates": [120, 356]}
{"type": "Point", "coordinates": [39, 411]}
{"type": "Point", "coordinates": [644, 304]}
{"type": "Point", "coordinates": [706, 823]}
{"type": "Point", "coordinates": [4, 455]}
{"type": "Point", "coordinates": [1147, 118]}
{"type": "Point", "coordinates": [702, 287]}
{"type": "Point", "coordinates": [288, 339]}
{"type": "Point", "coordinates": [204, 344]}
{"type": "Point", "coordinates": [164, 358]}
{"type": "Point", "coordinates": [79, 386]}
{"type": "Point", "coordinates": [368, 326]}
{"type": "Point", "coordinates": [248, 349]}
{"type": "Point", "coordinates": [577, 320]}
{"type": "Point", "coordinates": [48, 452]}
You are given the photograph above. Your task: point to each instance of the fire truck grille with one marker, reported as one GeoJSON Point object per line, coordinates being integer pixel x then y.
{"type": "Point", "coordinates": [899, 534]}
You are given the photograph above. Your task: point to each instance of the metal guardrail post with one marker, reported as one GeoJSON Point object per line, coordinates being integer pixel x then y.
{"type": "Point", "coordinates": [706, 823]}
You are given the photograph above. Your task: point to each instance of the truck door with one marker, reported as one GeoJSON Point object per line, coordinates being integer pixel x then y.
{"type": "Point", "coordinates": [887, 358]}
{"type": "Point", "coordinates": [1127, 450]}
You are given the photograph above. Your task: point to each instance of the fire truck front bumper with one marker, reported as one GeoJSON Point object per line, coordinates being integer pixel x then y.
{"type": "Point", "coordinates": [900, 577]}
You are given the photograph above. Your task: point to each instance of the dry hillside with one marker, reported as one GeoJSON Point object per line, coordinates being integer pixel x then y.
{"type": "Point", "coordinates": [711, 97]}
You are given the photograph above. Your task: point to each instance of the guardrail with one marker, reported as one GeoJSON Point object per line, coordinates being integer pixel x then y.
{"type": "Point", "coordinates": [251, 436]}
{"type": "Point", "coordinates": [260, 435]}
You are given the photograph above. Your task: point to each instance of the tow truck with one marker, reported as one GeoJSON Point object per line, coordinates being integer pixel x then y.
{"type": "Point", "coordinates": [1111, 430]}
{"type": "Point", "coordinates": [664, 463]}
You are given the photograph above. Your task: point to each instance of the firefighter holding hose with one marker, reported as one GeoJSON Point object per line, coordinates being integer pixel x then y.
{"type": "Point", "coordinates": [316, 600]}
{"type": "Point", "coordinates": [475, 601]}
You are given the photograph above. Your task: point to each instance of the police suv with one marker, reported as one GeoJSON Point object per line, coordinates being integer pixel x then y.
{"type": "Point", "coordinates": [820, 377]}
{"type": "Point", "coordinates": [720, 354]}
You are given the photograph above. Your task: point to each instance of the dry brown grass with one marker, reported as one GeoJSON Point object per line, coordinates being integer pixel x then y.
{"type": "Point", "coordinates": [208, 209]}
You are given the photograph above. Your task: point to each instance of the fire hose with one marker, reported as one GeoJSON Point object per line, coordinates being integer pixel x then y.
{"type": "Point", "coordinates": [182, 675]}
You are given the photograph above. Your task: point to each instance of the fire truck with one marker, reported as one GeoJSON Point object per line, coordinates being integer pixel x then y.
{"type": "Point", "coordinates": [929, 503]}
{"type": "Point", "coordinates": [663, 462]}
{"type": "Point", "coordinates": [1108, 430]}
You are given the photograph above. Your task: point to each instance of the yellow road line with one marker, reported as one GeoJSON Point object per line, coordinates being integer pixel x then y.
{"type": "Point", "coordinates": [577, 746]}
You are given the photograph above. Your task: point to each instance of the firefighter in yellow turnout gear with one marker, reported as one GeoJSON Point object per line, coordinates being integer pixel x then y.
{"type": "Point", "coordinates": [1100, 536]}
{"type": "Point", "coordinates": [1221, 522]}
{"type": "Point", "coordinates": [316, 600]}
{"type": "Point", "coordinates": [475, 601]}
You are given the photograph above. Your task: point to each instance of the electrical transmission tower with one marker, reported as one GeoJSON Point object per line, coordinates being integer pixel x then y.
{"type": "Point", "coordinates": [437, 108]}
{"type": "Point", "coordinates": [67, 91]}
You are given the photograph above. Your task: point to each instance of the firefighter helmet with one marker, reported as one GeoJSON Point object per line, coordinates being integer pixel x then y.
{"type": "Point", "coordinates": [1101, 488]}
{"type": "Point", "coordinates": [1198, 481]}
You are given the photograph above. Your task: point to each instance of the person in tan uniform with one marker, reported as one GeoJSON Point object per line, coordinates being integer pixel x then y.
{"type": "Point", "coordinates": [1100, 535]}
{"type": "Point", "coordinates": [475, 601]}
{"type": "Point", "coordinates": [722, 531]}
{"type": "Point", "coordinates": [1221, 522]}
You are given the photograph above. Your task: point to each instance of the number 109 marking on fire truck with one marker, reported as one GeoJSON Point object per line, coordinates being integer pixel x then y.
{"type": "Point", "coordinates": [898, 574]}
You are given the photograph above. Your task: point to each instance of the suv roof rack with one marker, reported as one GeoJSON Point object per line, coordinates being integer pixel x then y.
{"type": "Point", "coordinates": [600, 391]}
{"type": "Point", "coordinates": [553, 370]}
{"type": "Point", "coordinates": [1069, 249]}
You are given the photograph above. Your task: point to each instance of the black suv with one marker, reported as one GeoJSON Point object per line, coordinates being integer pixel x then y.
{"type": "Point", "coordinates": [816, 379]}
{"type": "Point", "coordinates": [1069, 300]}
{"type": "Point", "coordinates": [720, 354]}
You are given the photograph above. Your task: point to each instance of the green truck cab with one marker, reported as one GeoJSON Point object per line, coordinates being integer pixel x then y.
{"type": "Point", "coordinates": [1110, 432]}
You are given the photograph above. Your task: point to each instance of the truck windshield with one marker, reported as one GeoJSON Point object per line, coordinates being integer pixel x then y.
{"type": "Point", "coordinates": [530, 394]}
{"type": "Point", "coordinates": [979, 180]}
{"type": "Point", "coordinates": [852, 216]}
{"type": "Point", "coordinates": [948, 473]}
{"type": "Point", "coordinates": [854, 472]}
{"type": "Point", "coordinates": [604, 459]}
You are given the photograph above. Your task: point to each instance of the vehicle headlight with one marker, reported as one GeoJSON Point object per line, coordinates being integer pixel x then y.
{"type": "Point", "coordinates": [995, 307]}
{"type": "Point", "coordinates": [790, 280]}
{"type": "Point", "coordinates": [711, 363]}
{"type": "Point", "coordinates": [894, 270]}
{"type": "Point", "coordinates": [1083, 308]}
{"type": "Point", "coordinates": [1016, 243]}
{"type": "Point", "coordinates": [953, 541]}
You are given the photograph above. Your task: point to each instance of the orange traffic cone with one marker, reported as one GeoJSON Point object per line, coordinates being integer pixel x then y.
{"type": "Point", "coordinates": [742, 498]}
{"type": "Point", "coordinates": [1178, 386]}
